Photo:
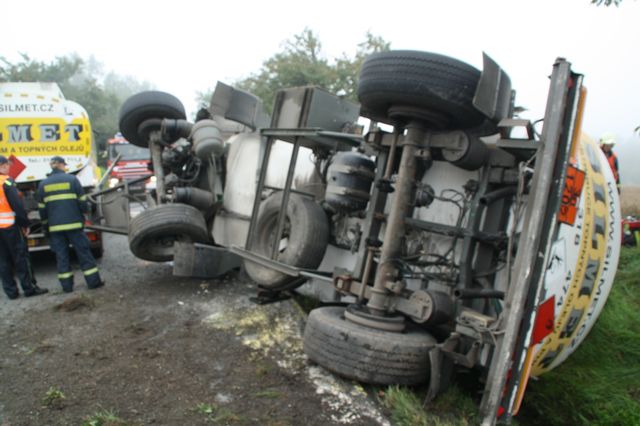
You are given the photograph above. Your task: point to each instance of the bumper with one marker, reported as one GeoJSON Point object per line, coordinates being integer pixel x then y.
{"type": "Point", "coordinates": [38, 242]}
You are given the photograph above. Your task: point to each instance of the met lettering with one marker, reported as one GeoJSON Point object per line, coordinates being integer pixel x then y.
{"type": "Point", "coordinates": [20, 133]}
{"type": "Point", "coordinates": [47, 132]}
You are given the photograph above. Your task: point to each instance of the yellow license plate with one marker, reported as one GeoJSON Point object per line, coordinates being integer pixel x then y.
{"type": "Point", "coordinates": [32, 242]}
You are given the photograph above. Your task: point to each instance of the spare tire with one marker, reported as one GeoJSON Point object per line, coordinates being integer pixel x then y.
{"type": "Point", "coordinates": [153, 232]}
{"type": "Point", "coordinates": [305, 238]}
{"type": "Point", "coordinates": [144, 106]}
{"type": "Point", "coordinates": [438, 86]}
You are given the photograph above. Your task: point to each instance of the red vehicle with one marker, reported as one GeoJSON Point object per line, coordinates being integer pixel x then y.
{"type": "Point", "coordinates": [133, 162]}
{"type": "Point", "coordinates": [631, 231]}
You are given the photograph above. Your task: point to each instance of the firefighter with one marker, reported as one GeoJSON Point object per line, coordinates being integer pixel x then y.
{"type": "Point", "coordinates": [14, 224]}
{"type": "Point", "coordinates": [606, 144]}
{"type": "Point", "coordinates": [62, 205]}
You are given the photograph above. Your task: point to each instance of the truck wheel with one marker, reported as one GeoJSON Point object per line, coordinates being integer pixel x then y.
{"type": "Point", "coordinates": [305, 238]}
{"type": "Point", "coordinates": [153, 232]}
{"type": "Point", "coordinates": [151, 105]}
{"type": "Point", "coordinates": [437, 88]}
{"type": "Point", "coordinates": [366, 354]}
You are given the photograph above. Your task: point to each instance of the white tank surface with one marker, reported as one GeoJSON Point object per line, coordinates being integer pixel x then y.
{"type": "Point", "coordinates": [583, 260]}
{"type": "Point", "coordinates": [243, 161]}
{"type": "Point", "coordinates": [37, 123]}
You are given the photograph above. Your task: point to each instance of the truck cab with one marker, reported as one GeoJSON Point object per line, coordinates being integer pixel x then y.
{"type": "Point", "coordinates": [37, 123]}
{"type": "Point", "coordinates": [132, 163]}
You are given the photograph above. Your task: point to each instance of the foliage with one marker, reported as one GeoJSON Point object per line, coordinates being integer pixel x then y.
{"type": "Point", "coordinates": [205, 408]}
{"type": "Point", "coordinates": [598, 385]}
{"type": "Point", "coordinates": [269, 394]}
{"type": "Point", "coordinates": [453, 408]}
{"type": "Point", "coordinates": [53, 397]}
{"type": "Point", "coordinates": [103, 418]}
{"type": "Point", "coordinates": [600, 382]}
{"type": "Point", "coordinates": [217, 415]}
{"type": "Point", "coordinates": [82, 81]}
{"type": "Point", "coordinates": [606, 2]}
{"type": "Point", "coordinates": [301, 63]}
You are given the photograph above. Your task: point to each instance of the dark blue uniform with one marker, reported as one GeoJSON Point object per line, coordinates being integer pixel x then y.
{"type": "Point", "coordinates": [13, 249]}
{"type": "Point", "coordinates": [62, 206]}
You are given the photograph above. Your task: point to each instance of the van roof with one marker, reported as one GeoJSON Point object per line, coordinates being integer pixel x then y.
{"type": "Point", "coordinates": [33, 88]}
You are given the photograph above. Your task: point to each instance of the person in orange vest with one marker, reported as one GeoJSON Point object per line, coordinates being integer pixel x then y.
{"type": "Point", "coordinates": [606, 144]}
{"type": "Point", "coordinates": [14, 225]}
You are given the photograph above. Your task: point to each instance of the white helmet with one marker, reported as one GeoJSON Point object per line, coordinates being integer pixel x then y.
{"type": "Point", "coordinates": [607, 139]}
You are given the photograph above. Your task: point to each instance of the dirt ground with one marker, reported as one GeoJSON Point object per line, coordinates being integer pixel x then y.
{"type": "Point", "coordinates": [150, 348]}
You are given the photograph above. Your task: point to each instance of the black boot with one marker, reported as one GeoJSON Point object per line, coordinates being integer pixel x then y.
{"type": "Point", "coordinates": [35, 291]}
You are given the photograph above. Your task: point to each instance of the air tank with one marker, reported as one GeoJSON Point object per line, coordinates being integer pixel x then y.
{"type": "Point", "coordinates": [349, 182]}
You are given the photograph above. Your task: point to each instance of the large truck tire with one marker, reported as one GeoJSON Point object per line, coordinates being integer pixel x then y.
{"type": "Point", "coordinates": [153, 232]}
{"type": "Point", "coordinates": [304, 241]}
{"type": "Point", "coordinates": [436, 87]}
{"type": "Point", "coordinates": [144, 106]}
{"type": "Point", "coordinates": [366, 354]}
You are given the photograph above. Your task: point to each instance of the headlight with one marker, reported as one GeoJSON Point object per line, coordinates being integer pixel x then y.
{"type": "Point", "coordinates": [152, 179]}
{"type": "Point", "coordinates": [113, 182]}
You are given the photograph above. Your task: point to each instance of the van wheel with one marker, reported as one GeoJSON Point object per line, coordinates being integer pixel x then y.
{"type": "Point", "coordinates": [405, 84]}
{"type": "Point", "coordinates": [153, 233]}
{"type": "Point", "coordinates": [366, 354]}
{"type": "Point", "coordinates": [305, 238]}
{"type": "Point", "coordinates": [150, 107]}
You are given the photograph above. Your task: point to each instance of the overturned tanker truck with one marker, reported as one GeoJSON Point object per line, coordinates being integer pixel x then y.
{"type": "Point", "coordinates": [460, 236]}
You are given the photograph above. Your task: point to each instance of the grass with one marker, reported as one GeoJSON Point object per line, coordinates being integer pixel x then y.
{"type": "Point", "coordinates": [217, 415]}
{"type": "Point", "coordinates": [453, 408]}
{"type": "Point", "coordinates": [262, 368]}
{"type": "Point", "coordinates": [103, 418]}
{"type": "Point", "coordinates": [598, 385]}
{"type": "Point", "coordinates": [53, 398]}
{"type": "Point", "coordinates": [269, 394]}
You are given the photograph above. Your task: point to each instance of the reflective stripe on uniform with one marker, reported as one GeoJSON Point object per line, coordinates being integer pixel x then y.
{"type": "Point", "coordinates": [65, 227]}
{"type": "Point", "coordinates": [65, 275]}
{"type": "Point", "coordinates": [59, 197]}
{"type": "Point", "coordinates": [7, 215]}
{"type": "Point", "coordinates": [41, 205]}
{"type": "Point", "coordinates": [57, 187]}
{"type": "Point", "coordinates": [7, 218]}
{"type": "Point", "coordinates": [90, 271]}
{"type": "Point", "coordinates": [83, 198]}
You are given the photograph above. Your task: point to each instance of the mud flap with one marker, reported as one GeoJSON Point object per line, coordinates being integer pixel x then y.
{"type": "Point", "coordinates": [202, 260]}
{"type": "Point", "coordinates": [114, 207]}
{"type": "Point", "coordinates": [440, 375]}
{"type": "Point", "coordinates": [493, 96]}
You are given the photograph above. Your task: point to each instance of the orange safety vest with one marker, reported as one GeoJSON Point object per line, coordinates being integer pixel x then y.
{"type": "Point", "coordinates": [612, 163]}
{"type": "Point", "coordinates": [7, 215]}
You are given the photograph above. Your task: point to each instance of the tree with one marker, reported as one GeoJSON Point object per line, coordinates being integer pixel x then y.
{"type": "Point", "coordinates": [301, 63]}
{"type": "Point", "coordinates": [61, 70]}
{"type": "Point", "coordinates": [80, 81]}
{"type": "Point", "coordinates": [347, 69]}
{"type": "Point", "coordinates": [606, 2]}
